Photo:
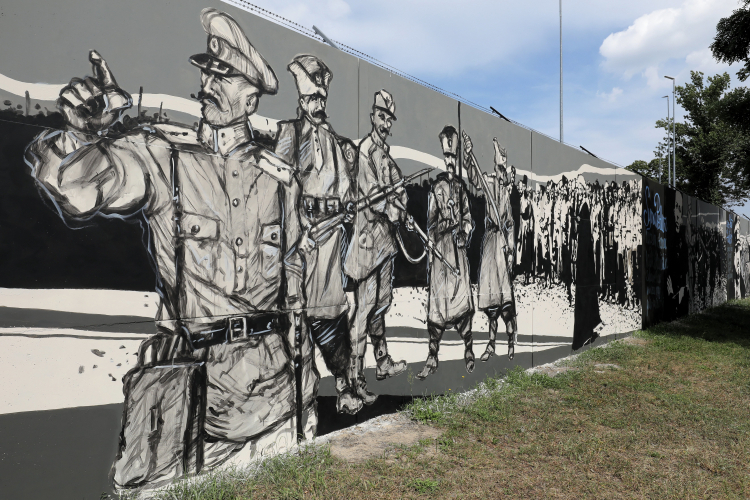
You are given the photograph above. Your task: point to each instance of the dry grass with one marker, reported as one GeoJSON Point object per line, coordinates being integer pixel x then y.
{"type": "Point", "coordinates": [674, 422]}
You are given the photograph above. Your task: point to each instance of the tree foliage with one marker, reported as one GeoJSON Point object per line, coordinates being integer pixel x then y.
{"type": "Point", "coordinates": [712, 145]}
{"type": "Point", "coordinates": [713, 149]}
{"type": "Point", "coordinates": [732, 42]}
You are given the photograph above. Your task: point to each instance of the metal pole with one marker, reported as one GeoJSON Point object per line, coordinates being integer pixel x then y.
{"type": "Point", "coordinates": [661, 166]}
{"type": "Point", "coordinates": [561, 77]}
{"type": "Point", "coordinates": [674, 141]}
{"type": "Point", "coordinates": [669, 171]}
{"type": "Point", "coordinates": [673, 178]}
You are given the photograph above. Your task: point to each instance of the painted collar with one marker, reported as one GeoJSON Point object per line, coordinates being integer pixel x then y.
{"type": "Point", "coordinates": [226, 139]}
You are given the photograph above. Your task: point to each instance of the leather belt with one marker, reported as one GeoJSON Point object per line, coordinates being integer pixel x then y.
{"type": "Point", "coordinates": [236, 329]}
{"type": "Point", "coordinates": [321, 207]}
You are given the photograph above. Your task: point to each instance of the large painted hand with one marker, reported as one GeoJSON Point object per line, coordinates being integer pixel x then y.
{"type": "Point", "coordinates": [94, 103]}
{"type": "Point", "coordinates": [467, 145]}
{"type": "Point", "coordinates": [501, 156]}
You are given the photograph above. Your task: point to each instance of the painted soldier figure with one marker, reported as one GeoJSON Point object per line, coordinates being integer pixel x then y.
{"type": "Point", "coordinates": [496, 297]}
{"type": "Point", "coordinates": [449, 303]}
{"type": "Point", "coordinates": [372, 250]}
{"type": "Point", "coordinates": [221, 217]}
{"type": "Point", "coordinates": [315, 152]}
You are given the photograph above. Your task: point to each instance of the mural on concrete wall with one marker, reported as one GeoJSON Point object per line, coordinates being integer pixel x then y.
{"type": "Point", "coordinates": [224, 270]}
{"type": "Point", "coordinates": [690, 248]}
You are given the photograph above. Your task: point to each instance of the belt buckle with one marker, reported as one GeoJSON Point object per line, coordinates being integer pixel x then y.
{"type": "Point", "coordinates": [332, 206]}
{"type": "Point", "coordinates": [237, 328]}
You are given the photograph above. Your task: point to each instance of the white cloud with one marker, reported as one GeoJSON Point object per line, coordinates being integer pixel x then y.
{"type": "Point", "coordinates": [664, 35]}
{"type": "Point", "coordinates": [445, 37]}
{"type": "Point", "coordinates": [610, 96]}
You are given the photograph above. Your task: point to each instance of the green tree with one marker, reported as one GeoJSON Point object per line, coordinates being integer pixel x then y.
{"type": "Point", "coordinates": [713, 151]}
{"type": "Point", "coordinates": [655, 169]}
{"type": "Point", "coordinates": [732, 42]}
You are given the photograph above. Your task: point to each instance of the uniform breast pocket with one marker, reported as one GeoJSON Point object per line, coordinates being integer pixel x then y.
{"type": "Point", "coordinates": [270, 248]}
{"type": "Point", "coordinates": [200, 236]}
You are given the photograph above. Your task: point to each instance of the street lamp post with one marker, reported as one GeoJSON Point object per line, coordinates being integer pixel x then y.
{"type": "Point", "coordinates": [674, 138]}
{"type": "Point", "coordinates": [661, 166]}
{"type": "Point", "coordinates": [669, 171]}
{"type": "Point", "coordinates": [561, 77]}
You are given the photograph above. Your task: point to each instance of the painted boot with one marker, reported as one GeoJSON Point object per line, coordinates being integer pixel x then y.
{"type": "Point", "coordinates": [359, 381]}
{"type": "Point", "coordinates": [469, 352]}
{"type": "Point", "coordinates": [490, 350]}
{"type": "Point", "coordinates": [512, 337]}
{"type": "Point", "coordinates": [431, 364]}
{"type": "Point", "coordinates": [347, 401]}
{"type": "Point", "coordinates": [386, 366]}
{"type": "Point", "coordinates": [389, 368]}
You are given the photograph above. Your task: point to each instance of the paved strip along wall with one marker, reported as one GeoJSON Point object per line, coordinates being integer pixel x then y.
{"type": "Point", "coordinates": [229, 236]}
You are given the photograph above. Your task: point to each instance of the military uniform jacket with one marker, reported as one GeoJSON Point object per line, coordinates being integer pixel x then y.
{"type": "Point", "coordinates": [373, 241]}
{"type": "Point", "coordinates": [316, 156]}
{"type": "Point", "coordinates": [450, 296]}
{"type": "Point", "coordinates": [236, 225]}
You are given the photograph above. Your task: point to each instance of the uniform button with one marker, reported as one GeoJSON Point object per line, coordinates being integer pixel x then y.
{"type": "Point", "coordinates": [274, 236]}
{"type": "Point", "coordinates": [195, 229]}
{"type": "Point", "coordinates": [235, 174]}
{"type": "Point", "coordinates": [238, 241]}
{"type": "Point", "coordinates": [235, 202]}
{"type": "Point", "coordinates": [240, 269]}
{"type": "Point", "coordinates": [222, 134]}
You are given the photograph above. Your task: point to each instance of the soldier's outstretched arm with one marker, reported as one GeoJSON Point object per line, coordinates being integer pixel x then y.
{"type": "Point", "coordinates": [82, 169]}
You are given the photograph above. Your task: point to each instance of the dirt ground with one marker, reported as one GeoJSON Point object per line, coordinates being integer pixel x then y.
{"type": "Point", "coordinates": [377, 437]}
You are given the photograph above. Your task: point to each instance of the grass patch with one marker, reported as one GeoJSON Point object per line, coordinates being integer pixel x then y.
{"type": "Point", "coordinates": [423, 485]}
{"type": "Point", "coordinates": [671, 422]}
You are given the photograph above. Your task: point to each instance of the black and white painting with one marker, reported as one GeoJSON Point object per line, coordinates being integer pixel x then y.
{"type": "Point", "coordinates": [223, 248]}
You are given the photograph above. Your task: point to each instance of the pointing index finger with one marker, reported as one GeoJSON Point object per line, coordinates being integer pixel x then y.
{"type": "Point", "coordinates": [101, 70]}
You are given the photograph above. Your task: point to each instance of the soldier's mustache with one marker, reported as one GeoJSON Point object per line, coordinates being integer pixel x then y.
{"type": "Point", "coordinates": [320, 114]}
{"type": "Point", "coordinates": [205, 96]}
{"type": "Point", "coordinates": [385, 132]}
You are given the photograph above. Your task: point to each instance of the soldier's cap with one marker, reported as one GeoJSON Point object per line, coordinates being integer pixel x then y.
{"type": "Point", "coordinates": [311, 75]}
{"type": "Point", "coordinates": [230, 53]}
{"type": "Point", "coordinates": [449, 140]}
{"type": "Point", "coordinates": [384, 100]}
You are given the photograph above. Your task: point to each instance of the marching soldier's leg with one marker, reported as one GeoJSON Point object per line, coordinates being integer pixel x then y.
{"type": "Point", "coordinates": [359, 341]}
{"type": "Point", "coordinates": [331, 338]}
{"type": "Point", "coordinates": [436, 333]}
{"type": "Point", "coordinates": [358, 337]}
{"type": "Point", "coordinates": [386, 366]}
{"type": "Point", "coordinates": [509, 317]}
{"type": "Point", "coordinates": [492, 314]}
{"type": "Point", "coordinates": [464, 330]}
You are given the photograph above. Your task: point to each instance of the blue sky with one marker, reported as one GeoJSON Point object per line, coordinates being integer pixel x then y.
{"type": "Point", "coordinates": [505, 54]}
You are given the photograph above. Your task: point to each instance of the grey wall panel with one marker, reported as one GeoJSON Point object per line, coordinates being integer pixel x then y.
{"type": "Point", "coordinates": [421, 114]}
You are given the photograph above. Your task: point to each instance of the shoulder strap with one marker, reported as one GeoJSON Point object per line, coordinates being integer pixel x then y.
{"type": "Point", "coordinates": [179, 245]}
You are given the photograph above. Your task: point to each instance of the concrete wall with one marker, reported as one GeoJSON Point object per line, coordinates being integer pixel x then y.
{"type": "Point", "coordinates": [83, 294]}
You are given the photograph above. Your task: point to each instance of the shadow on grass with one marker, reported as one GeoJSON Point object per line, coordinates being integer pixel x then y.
{"type": "Point", "coordinates": [727, 323]}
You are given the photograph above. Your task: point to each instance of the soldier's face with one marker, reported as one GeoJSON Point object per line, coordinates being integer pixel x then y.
{"type": "Point", "coordinates": [226, 99]}
{"type": "Point", "coordinates": [314, 107]}
{"type": "Point", "coordinates": [450, 162]}
{"type": "Point", "coordinates": [381, 123]}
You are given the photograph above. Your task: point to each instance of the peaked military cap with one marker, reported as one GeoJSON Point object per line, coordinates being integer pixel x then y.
{"type": "Point", "coordinates": [311, 75]}
{"type": "Point", "coordinates": [230, 53]}
{"type": "Point", "coordinates": [449, 140]}
{"type": "Point", "coordinates": [384, 100]}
